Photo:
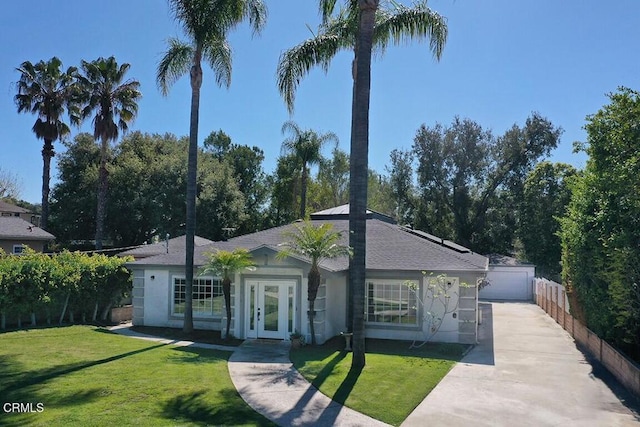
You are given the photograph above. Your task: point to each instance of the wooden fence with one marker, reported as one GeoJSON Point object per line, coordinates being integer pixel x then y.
{"type": "Point", "coordinates": [552, 297]}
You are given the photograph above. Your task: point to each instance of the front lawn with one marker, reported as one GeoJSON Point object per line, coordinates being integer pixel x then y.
{"type": "Point", "coordinates": [83, 375]}
{"type": "Point", "coordinates": [395, 380]}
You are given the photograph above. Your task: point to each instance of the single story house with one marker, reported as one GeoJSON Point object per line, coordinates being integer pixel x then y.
{"type": "Point", "coordinates": [509, 279]}
{"type": "Point", "coordinates": [418, 287]}
{"type": "Point", "coordinates": [16, 233]}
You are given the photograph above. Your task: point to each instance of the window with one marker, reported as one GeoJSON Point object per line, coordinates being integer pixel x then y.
{"type": "Point", "coordinates": [391, 302]}
{"type": "Point", "coordinates": [18, 249]}
{"type": "Point", "coordinates": [208, 299]}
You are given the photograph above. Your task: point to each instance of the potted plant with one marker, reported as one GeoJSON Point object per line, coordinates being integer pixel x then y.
{"type": "Point", "coordinates": [297, 339]}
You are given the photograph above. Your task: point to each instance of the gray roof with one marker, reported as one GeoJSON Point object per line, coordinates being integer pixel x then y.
{"type": "Point", "coordinates": [8, 207]}
{"type": "Point", "coordinates": [16, 228]}
{"type": "Point", "coordinates": [506, 261]}
{"type": "Point", "coordinates": [342, 212]}
{"type": "Point", "coordinates": [176, 245]}
{"type": "Point", "coordinates": [389, 247]}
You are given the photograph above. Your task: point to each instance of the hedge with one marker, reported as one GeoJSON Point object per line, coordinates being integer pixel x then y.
{"type": "Point", "coordinates": [52, 286]}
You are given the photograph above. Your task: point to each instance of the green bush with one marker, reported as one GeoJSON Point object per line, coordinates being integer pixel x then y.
{"type": "Point", "coordinates": [42, 286]}
{"type": "Point", "coordinates": [601, 231]}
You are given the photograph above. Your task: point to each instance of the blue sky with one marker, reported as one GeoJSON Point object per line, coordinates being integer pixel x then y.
{"type": "Point", "coordinates": [503, 60]}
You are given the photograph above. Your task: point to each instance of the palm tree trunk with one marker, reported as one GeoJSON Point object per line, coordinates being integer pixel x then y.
{"type": "Point", "coordinates": [303, 192]}
{"type": "Point", "coordinates": [312, 292]}
{"type": "Point", "coordinates": [192, 169]}
{"type": "Point", "coordinates": [358, 174]}
{"type": "Point", "coordinates": [102, 193]}
{"type": "Point", "coordinates": [226, 290]}
{"type": "Point", "coordinates": [47, 154]}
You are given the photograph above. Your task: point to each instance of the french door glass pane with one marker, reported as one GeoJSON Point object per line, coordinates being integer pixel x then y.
{"type": "Point", "coordinates": [271, 308]}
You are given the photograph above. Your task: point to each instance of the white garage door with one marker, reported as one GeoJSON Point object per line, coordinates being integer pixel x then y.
{"type": "Point", "coordinates": [508, 285]}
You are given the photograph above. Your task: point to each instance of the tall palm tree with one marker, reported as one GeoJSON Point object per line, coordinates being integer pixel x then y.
{"type": "Point", "coordinates": [316, 243]}
{"type": "Point", "coordinates": [306, 146]}
{"type": "Point", "coordinates": [226, 264]}
{"type": "Point", "coordinates": [206, 24]}
{"type": "Point", "coordinates": [361, 25]}
{"type": "Point", "coordinates": [113, 103]}
{"type": "Point", "coordinates": [47, 91]}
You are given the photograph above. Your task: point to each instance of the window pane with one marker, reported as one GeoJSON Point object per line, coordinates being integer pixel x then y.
{"type": "Point", "coordinates": [390, 302]}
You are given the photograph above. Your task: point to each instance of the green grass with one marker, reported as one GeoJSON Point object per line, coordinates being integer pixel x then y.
{"type": "Point", "coordinates": [87, 376]}
{"type": "Point", "coordinates": [394, 381]}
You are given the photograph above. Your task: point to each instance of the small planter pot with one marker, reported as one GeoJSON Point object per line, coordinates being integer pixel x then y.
{"type": "Point", "coordinates": [297, 342]}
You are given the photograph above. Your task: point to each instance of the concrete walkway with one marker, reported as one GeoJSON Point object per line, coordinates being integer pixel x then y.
{"type": "Point", "coordinates": [268, 382]}
{"type": "Point", "coordinates": [526, 371]}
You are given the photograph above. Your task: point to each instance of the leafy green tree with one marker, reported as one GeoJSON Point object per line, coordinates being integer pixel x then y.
{"type": "Point", "coordinates": [361, 25]}
{"type": "Point", "coordinates": [316, 243]}
{"type": "Point", "coordinates": [113, 103]}
{"type": "Point", "coordinates": [401, 181]}
{"type": "Point", "coordinates": [284, 187]}
{"type": "Point", "coordinates": [470, 182]}
{"type": "Point", "coordinates": [545, 198]}
{"type": "Point", "coordinates": [147, 183]}
{"type": "Point", "coordinates": [380, 193]}
{"type": "Point", "coordinates": [46, 90]}
{"type": "Point", "coordinates": [73, 207]}
{"type": "Point", "coordinates": [332, 185]}
{"type": "Point", "coordinates": [226, 264]}
{"type": "Point", "coordinates": [306, 146]}
{"type": "Point", "coordinates": [601, 231]}
{"type": "Point", "coordinates": [246, 163]}
{"type": "Point", "coordinates": [220, 200]}
{"type": "Point", "coordinates": [147, 187]}
{"type": "Point", "coordinates": [206, 24]}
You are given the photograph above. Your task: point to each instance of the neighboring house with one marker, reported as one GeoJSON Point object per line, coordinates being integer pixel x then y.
{"type": "Point", "coordinates": [10, 210]}
{"type": "Point", "coordinates": [173, 246]}
{"type": "Point", "coordinates": [509, 279]}
{"type": "Point", "coordinates": [271, 301]}
{"type": "Point", "coordinates": [15, 233]}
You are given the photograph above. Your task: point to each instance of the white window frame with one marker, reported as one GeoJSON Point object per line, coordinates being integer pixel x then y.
{"type": "Point", "coordinates": [18, 249]}
{"type": "Point", "coordinates": [406, 297]}
{"type": "Point", "coordinates": [202, 307]}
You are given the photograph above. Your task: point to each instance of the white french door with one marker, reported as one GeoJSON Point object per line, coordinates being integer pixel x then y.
{"type": "Point", "coordinates": [270, 308]}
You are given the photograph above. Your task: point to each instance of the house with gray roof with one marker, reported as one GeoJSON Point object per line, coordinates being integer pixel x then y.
{"type": "Point", "coordinates": [418, 286]}
{"type": "Point", "coordinates": [16, 233]}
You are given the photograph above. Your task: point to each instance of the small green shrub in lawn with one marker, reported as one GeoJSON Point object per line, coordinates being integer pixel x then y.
{"type": "Point", "coordinates": [87, 376]}
{"type": "Point", "coordinates": [394, 381]}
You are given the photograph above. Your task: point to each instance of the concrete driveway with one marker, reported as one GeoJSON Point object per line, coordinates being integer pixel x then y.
{"type": "Point", "coordinates": [526, 371]}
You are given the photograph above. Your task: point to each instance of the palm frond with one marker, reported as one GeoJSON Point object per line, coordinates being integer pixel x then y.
{"type": "Point", "coordinates": [45, 90]}
{"type": "Point", "coordinates": [218, 55]}
{"type": "Point", "coordinates": [104, 94]}
{"type": "Point", "coordinates": [317, 243]}
{"type": "Point", "coordinates": [174, 64]}
{"type": "Point", "coordinates": [295, 63]}
{"type": "Point", "coordinates": [256, 11]}
{"type": "Point", "coordinates": [225, 264]}
{"type": "Point", "coordinates": [403, 24]}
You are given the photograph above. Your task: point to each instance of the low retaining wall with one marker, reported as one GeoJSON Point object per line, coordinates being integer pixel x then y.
{"type": "Point", "coordinates": [122, 314]}
{"type": "Point", "coordinates": [552, 298]}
